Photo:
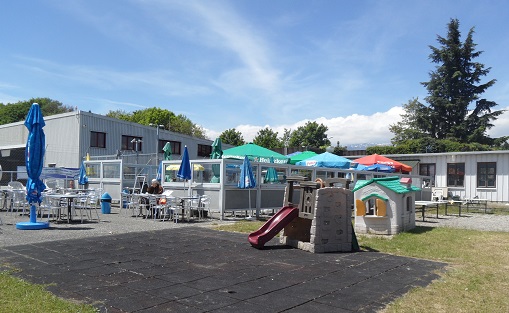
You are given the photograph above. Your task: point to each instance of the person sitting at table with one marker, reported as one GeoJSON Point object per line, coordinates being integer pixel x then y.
{"type": "Point", "coordinates": [155, 187]}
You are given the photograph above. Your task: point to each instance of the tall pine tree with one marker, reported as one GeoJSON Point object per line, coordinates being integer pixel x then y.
{"type": "Point", "coordinates": [456, 110]}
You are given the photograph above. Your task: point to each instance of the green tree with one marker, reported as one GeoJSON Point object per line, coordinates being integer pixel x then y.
{"type": "Point", "coordinates": [16, 112]}
{"type": "Point", "coordinates": [267, 138]}
{"type": "Point", "coordinates": [120, 115]}
{"type": "Point", "coordinates": [454, 86]}
{"type": "Point", "coordinates": [310, 136]}
{"type": "Point", "coordinates": [232, 137]}
{"type": "Point", "coordinates": [285, 139]}
{"type": "Point", "coordinates": [414, 120]}
{"type": "Point", "coordinates": [177, 123]}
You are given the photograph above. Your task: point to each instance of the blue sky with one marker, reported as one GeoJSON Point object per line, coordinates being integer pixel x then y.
{"type": "Point", "coordinates": [247, 65]}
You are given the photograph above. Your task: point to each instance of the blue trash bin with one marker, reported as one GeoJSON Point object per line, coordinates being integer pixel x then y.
{"type": "Point", "coordinates": [106, 203]}
{"type": "Point", "coordinates": [125, 194]}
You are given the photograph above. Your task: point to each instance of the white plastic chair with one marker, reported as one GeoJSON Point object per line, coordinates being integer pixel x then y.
{"type": "Point", "coordinates": [201, 204]}
{"type": "Point", "coordinates": [18, 202]}
{"type": "Point", "coordinates": [47, 206]}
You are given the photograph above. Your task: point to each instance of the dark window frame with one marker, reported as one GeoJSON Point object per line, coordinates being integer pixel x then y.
{"type": "Point", "coordinates": [486, 175]}
{"type": "Point", "coordinates": [127, 143]}
{"type": "Point", "coordinates": [97, 139]}
{"type": "Point", "coordinates": [455, 174]}
{"type": "Point", "coordinates": [204, 150]}
{"type": "Point", "coordinates": [428, 169]}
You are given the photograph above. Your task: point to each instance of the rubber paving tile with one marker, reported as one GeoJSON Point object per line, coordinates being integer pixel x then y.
{"type": "Point", "coordinates": [196, 269]}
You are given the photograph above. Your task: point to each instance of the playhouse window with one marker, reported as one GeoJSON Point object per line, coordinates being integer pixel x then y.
{"type": "Point", "coordinates": [373, 206]}
{"type": "Point", "coordinates": [409, 201]}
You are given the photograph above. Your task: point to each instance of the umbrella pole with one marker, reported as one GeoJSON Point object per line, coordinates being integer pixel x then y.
{"type": "Point", "coordinates": [249, 197]}
{"type": "Point", "coordinates": [33, 214]}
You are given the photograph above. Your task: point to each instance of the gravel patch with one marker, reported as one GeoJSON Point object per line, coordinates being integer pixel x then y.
{"type": "Point", "coordinates": [477, 221]}
{"type": "Point", "coordinates": [117, 223]}
{"type": "Point", "coordinates": [109, 224]}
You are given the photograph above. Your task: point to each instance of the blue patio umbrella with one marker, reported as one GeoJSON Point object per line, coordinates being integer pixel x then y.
{"type": "Point", "coordinates": [271, 174]}
{"type": "Point", "coordinates": [34, 160]}
{"type": "Point", "coordinates": [83, 178]}
{"type": "Point", "coordinates": [247, 179]}
{"type": "Point", "coordinates": [376, 168]}
{"type": "Point", "coordinates": [185, 167]}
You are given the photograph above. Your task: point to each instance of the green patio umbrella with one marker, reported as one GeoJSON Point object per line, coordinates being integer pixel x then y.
{"type": "Point", "coordinates": [255, 153]}
{"type": "Point", "coordinates": [271, 174]}
{"type": "Point", "coordinates": [167, 156]}
{"type": "Point", "coordinates": [301, 156]}
{"type": "Point", "coordinates": [217, 153]}
{"type": "Point", "coordinates": [167, 151]}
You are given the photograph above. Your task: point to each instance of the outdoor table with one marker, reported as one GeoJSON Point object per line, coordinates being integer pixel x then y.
{"type": "Point", "coordinates": [69, 198]}
{"type": "Point", "coordinates": [425, 204]}
{"type": "Point", "coordinates": [453, 202]}
{"type": "Point", "coordinates": [477, 203]}
{"type": "Point", "coordinates": [185, 203]}
{"type": "Point", "coordinates": [148, 196]}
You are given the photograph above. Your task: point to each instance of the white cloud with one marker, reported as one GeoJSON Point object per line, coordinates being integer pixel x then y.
{"type": "Point", "coordinates": [501, 127]}
{"type": "Point", "coordinates": [347, 130]}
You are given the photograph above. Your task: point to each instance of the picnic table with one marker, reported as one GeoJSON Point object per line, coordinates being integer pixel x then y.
{"type": "Point", "coordinates": [422, 206]}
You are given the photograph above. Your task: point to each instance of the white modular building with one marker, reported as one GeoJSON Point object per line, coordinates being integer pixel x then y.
{"type": "Point", "coordinates": [464, 175]}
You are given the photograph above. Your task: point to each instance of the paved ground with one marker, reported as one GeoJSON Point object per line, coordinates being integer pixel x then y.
{"type": "Point", "coordinates": [164, 267]}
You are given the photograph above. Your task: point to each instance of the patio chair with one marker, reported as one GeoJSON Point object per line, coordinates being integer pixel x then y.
{"type": "Point", "coordinates": [134, 202]}
{"type": "Point", "coordinates": [16, 185]}
{"type": "Point", "coordinates": [200, 205]}
{"type": "Point", "coordinates": [48, 207]}
{"type": "Point", "coordinates": [155, 208]}
{"type": "Point", "coordinates": [88, 204]}
{"type": "Point", "coordinates": [171, 209]}
{"type": "Point", "coordinates": [18, 202]}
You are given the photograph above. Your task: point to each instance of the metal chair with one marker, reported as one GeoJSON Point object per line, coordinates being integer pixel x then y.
{"type": "Point", "coordinates": [201, 204]}
{"type": "Point", "coordinates": [88, 204]}
{"type": "Point", "coordinates": [49, 207]}
{"type": "Point", "coordinates": [18, 202]}
{"type": "Point", "coordinates": [133, 203]}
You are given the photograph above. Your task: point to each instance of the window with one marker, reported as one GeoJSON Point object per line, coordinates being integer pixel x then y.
{"type": "Point", "coordinates": [204, 150]}
{"type": "Point", "coordinates": [131, 143]}
{"type": "Point", "coordinates": [486, 174]}
{"type": "Point", "coordinates": [97, 140]}
{"type": "Point", "coordinates": [428, 170]}
{"type": "Point", "coordinates": [455, 174]}
{"type": "Point", "coordinates": [373, 205]}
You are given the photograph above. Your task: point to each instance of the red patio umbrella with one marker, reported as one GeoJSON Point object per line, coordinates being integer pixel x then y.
{"type": "Point", "coordinates": [380, 159]}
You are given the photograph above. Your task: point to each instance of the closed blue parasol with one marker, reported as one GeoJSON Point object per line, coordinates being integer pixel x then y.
{"type": "Point", "coordinates": [34, 160]}
{"type": "Point", "coordinates": [83, 178]}
{"type": "Point", "coordinates": [247, 179]}
{"type": "Point", "coordinates": [185, 167]}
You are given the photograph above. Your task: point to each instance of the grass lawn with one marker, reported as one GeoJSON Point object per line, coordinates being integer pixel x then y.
{"type": "Point", "coordinates": [477, 279]}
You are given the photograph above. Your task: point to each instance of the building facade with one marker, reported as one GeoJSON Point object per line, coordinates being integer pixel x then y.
{"type": "Point", "coordinates": [466, 175]}
{"type": "Point", "coordinates": [72, 136]}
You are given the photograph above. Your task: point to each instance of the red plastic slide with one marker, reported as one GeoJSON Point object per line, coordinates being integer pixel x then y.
{"type": "Point", "coordinates": [273, 226]}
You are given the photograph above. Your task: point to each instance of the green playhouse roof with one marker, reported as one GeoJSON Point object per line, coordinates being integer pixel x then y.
{"type": "Point", "coordinates": [391, 183]}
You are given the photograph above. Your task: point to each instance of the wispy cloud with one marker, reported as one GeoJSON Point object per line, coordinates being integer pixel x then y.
{"type": "Point", "coordinates": [163, 82]}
